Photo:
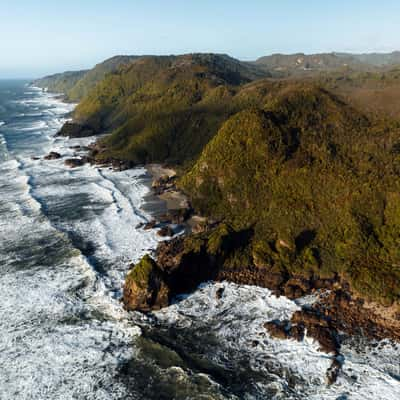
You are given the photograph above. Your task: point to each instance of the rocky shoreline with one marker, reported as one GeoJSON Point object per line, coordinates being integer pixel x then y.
{"type": "Point", "coordinates": [335, 314]}
{"type": "Point", "coordinates": [184, 262]}
{"type": "Point", "coordinates": [198, 251]}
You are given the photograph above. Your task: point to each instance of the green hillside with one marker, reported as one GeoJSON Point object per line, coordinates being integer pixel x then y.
{"type": "Point", "coordinates": [96, 74]}
{"type": "Point", "coordinates": [316, 181]}
{"type": "Point", "coordinates": [76, 85]}
{"type": "Point", "coordinates": [304, 165]}
{"type": "Point", "coordinates": [60, 83]}
{"type": "Point", "coordinates": [164, 108]}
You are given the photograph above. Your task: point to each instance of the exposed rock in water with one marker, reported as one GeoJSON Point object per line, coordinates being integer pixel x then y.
{"type": "Point", "coordinates": [81, 148]}
{"type": "Point", "coordinates": [150, 225]}
{"type": "Point", "coordinates": [74, 162]}
{"type": "Point", "coordinates": [317, 326]}
{"type": "Point", "coordinates": [165, 231]}
{"type": "Point", "coordinates": [75, 130]}
{"type": "Point", "coordinates": [119, 165]}
{"type": "Point", "coordinates": [145, 288]}
{"type": "Point", "coordinates": [53, 155]}
{"type": "Point", "coordinates": [183, 263]}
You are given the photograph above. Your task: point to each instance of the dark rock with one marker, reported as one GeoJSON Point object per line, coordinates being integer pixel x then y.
{"type": "Point", "coordinates": [150, 225]}
{"type": "Point", "coordinates": [75, 130]}
{"type": "Point", "coordinates": [74, 162]}
{"type": "Point", "coordinates": [296, 287]}
{"type": "Point", "coordinates": [219, 293]}
{"type": "Point", "coordinates": [165, 231]}
{"type": "Point", "coordinates": [277, 329]}
{"type": "Point", "coordinates": [119, 165]}
{"type": "Point", "coordinates": [165, 219]}
{"type": "Point", "coordinates": [179, 216]}
{"type": "Point", "coordinates": [35, 158]}
{"type": "Point", "coordinates": [145, 288]}
{"type": "Point", "coordinates": [139, 226]}
{"type": "Point", "coordinates": [80, 148]}
{"type": "Point", "coordinates": [163, 184]}
{"type": "Point", "coordinates": [52, 156]}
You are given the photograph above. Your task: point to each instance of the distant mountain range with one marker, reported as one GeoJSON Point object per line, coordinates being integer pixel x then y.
{"type": "Point", "coordinates": [76, 84]}
{"type": "Point", "coordinates": [303, 63]}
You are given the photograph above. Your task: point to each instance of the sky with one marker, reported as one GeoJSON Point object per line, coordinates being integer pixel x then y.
{"type": "Point", "coordinates": [39, 37]}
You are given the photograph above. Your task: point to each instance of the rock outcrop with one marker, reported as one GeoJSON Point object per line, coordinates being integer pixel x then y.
{"type": "Point", "coordinates": [53, 155]}
{"type": "Point", "coordinates": [74, 162]}
{"type": "Point", "coordinates": [75, 130]}
{"type": "Point", "coordinates": [145, 288]}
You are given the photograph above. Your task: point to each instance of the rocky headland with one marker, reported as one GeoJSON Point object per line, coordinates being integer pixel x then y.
{"type": "Point", "coordinates": [284, 184]}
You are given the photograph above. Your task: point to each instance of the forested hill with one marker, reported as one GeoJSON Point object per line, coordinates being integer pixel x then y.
{"type": "Point", "coordinates": [308, 171]}
{"type": "Point", "coordinates": [76, 85]}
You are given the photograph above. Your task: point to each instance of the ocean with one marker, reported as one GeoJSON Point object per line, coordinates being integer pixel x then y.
{"type": "Point", "coordinates": [67, 237]}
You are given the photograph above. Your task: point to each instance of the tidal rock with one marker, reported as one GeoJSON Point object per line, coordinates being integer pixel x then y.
{"type": "Point", "coordinates": [150, 225]}
{"type": "Point", "coordinates": [145, 288]}
{"type": "Point", "coordinates": [119, 165]}
{"type": "Point", "coordinates": [165, 231]}
{"type": "Point", "coordinates": [179, 216]}
{"type": "Point", "coordinates": [75, 130]}
{"type": "Point", "coordinates": [80, 148]}
{"type": "Point", "coordinates": [163, 184]}
{"type": "Point", "coordinates": [53, 155]}
{"type": "Point", "coordinates": [74, 162]}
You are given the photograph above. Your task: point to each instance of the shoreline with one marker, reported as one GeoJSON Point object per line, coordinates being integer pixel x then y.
{"type": "Point", "coordinates": [174, 219]}
{"type": "Point", "coordinates": [335, 314]}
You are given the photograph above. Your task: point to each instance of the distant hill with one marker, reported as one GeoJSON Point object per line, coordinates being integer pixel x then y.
{"type": "Point", "coordinates": [376, 59]}
{"type": "Point", "coordinates": [61, 82]}
{"type": "Point", "coordinates": [301, 63]}
{"type": "Point", "coordinates": [164, 108]}
{"type": "Point", "coordinates": [306, 64]}
{"type": "Point", "coordinates": [96, 74]}
{"type": "Point", "coordinates": [76, 85]}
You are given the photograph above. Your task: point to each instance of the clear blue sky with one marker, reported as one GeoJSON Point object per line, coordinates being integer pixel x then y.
{"type": "Point", "coordinates": [43, 36]}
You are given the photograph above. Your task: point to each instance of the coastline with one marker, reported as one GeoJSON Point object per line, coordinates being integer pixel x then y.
{"type": "Point", "coordinates": [326, 320]}
{"type": "Point", "coordinates": [174, 219]}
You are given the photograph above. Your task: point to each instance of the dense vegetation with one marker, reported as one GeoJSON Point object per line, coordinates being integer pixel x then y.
{"type": "Point", "coordinates": [96, 74]}
{"type": "Point", "coordinates": [164, 108]}
{"type": "Point", "coordinates": [307, 168]}
{"type": "Point", "coordinates": [316, 181]}
{"type": "Point", "coordinates": [76, 85]}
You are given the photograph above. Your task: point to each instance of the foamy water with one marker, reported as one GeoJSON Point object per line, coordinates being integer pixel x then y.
{"type": "Point", "coordinates": [67, 237]}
